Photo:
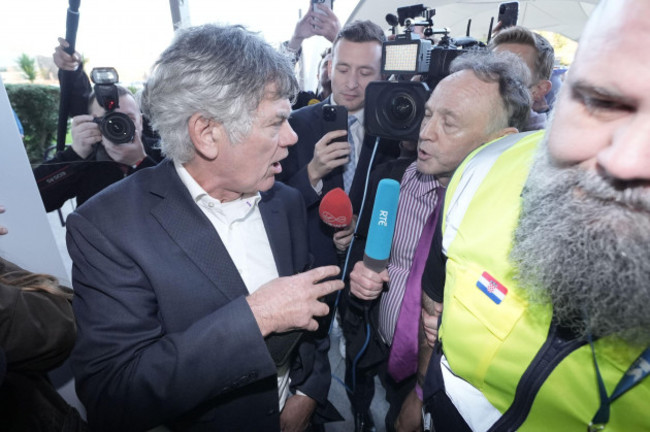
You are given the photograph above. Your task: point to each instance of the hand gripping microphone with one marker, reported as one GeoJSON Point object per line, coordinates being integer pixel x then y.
{"type": "Point", "coordinates": [382, 225]}
{"type": "Point", "coordinates": [336, 208]}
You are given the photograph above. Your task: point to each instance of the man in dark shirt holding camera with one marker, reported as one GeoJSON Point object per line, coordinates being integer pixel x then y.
{"type": "Point", "coordinates": [92, 162]}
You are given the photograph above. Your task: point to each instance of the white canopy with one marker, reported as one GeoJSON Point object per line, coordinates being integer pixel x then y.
{"type": "Point", "coordinates": [566, 17]}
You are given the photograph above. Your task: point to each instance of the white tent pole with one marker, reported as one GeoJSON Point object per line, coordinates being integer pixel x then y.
{"type": "Point", "coordinates": [180, 13]}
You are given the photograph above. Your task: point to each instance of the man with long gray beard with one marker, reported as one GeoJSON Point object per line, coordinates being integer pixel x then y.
{"type": "Point", "coordinates": [545, 323]}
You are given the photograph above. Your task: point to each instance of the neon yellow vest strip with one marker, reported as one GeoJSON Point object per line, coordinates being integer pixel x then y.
{"type": "Point", "coordinates": [490, 333]}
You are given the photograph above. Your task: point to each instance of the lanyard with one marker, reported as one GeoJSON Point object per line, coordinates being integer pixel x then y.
{"type": "Point", "coordinates": [639, 370]}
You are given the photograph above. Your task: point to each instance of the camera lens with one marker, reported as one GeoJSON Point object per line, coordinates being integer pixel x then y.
{"type": "Point", "coordinates": [117, 128]}
{"type": "Point", "coordinates": [394, 110]}
{"type": "Point", "coordinates": [402, 107]}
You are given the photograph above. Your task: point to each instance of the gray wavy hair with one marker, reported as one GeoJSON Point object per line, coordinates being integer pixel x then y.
{"type": "Point", "coordinates": [221, 72]}
{"type": "Point", "coordinates": [512, 75]}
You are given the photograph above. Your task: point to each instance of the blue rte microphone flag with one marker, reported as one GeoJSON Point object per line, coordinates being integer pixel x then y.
{"type": "Point", "coordinates": [382, 225]}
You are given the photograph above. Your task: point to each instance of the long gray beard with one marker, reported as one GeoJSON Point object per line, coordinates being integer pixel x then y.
{"type": "Point", "coordinates": [583, 243]}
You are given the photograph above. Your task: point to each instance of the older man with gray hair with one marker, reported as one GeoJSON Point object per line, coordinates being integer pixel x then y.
{"type": "Point", "coordinates": [190, 308]}
{"type": "Point", "coordinates": [484, 99]}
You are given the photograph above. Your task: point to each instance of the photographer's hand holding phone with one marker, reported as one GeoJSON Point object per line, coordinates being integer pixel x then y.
{"type": "Point", "coordinates": [328, 155]}
{"type": "Point", "coordinates": [508, 15]}
{"type": "Point", "coordinates": [304, 30]}
{"type": "Point", "coordinates": [319, 22]}
{"type": "Point", "coordinates": [325, 23]}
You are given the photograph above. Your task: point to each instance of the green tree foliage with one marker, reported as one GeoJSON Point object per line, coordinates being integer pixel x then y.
{"type": "Point", "coordinates": [28, 66]}
{"type": "Point", "coordinates": [37, 107]}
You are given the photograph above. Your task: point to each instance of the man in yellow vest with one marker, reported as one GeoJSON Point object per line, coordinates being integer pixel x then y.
{"type": "Point", "coordinates": [545, 324]}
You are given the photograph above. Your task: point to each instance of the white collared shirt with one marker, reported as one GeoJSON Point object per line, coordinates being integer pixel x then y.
{"type": "Point", "coordinates": [241, 229]}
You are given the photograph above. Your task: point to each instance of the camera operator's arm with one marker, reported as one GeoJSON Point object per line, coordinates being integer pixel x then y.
{"type": "Point", "coordinates": [79, 84]}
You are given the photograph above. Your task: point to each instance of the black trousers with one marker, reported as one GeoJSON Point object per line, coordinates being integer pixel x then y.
{"type": "Point", "coordinates": [361, 385]}
{"type": "Point", "coordinates": [444, 415]}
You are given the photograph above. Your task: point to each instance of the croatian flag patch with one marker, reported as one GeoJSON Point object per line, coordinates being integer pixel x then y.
{"type": "Point", "coordinates": [492, 288]}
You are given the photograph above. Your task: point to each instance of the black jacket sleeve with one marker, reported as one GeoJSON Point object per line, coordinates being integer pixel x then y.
{"type": "Point", "coordinates": [433, 276]}
{"type": "Point", "coordinates": [79, 90]}
{"type": "Point", "coordinates": [58, 177]}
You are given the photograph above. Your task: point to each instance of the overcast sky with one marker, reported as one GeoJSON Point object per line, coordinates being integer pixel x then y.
{"type": "Point", "coordinates": [130, 34]}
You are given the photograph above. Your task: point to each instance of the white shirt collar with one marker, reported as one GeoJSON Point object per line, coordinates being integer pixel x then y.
{"type": "Point", "coordinates": [199, 194]}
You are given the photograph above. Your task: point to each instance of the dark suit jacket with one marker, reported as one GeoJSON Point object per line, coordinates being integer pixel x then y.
{"type": "Point", "coordinates": [165, 333]}
{"type": "Point", "coordinates": [308, 123]}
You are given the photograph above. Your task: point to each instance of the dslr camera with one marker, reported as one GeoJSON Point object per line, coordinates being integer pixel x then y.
{"type": "Point", "coordinates": [115, 126]}
{"type": "Point", "coordinates": [394, 109]}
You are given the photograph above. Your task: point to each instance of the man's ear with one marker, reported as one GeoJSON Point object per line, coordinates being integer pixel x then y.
{"type": "Point", "coordinates": [206, 135]}
{"type": "Point", "coordinates": [543, 87]}
{"type": "Point", "coordinates": [505, 131]}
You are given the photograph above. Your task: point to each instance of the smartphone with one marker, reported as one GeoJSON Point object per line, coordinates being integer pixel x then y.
{"type": "Point", "coordinates": [326, 3]}
{"type": "Point", "coordinates": [508, 14]}
{"type": "Point", "coordinates": [335, 118]}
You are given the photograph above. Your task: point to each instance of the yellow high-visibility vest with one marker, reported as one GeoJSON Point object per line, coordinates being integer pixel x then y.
{"type": "Point", "coordinates": [491, 334]}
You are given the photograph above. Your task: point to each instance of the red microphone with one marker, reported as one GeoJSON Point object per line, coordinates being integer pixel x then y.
{"type": "Point", "coordinates": [336, 208]}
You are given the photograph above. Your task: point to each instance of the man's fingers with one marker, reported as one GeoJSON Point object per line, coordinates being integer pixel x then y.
{"type": "Point", "coordinates": [320, 273]}
{"type": "Point", "coordinates": [342, 235]}
{"type": "Point", "coordinates": [330, 136]}
{"type": "Point", "coordinates": [337, 162]}
{"type": "Point", "coordinates": [321, 309]}
{"type": "Point", "coordinates": [324, 288]}
{"type": "Point", "coordinates": [361, 295]}
{"type": "Point", "coordinates": [82, 119]}
{"type": "Point", "coordinates": [371, 277]}
{"type": "Point", "coordinates": [337, 146]}
{"type": "Point", "coordinates": [313, 325]}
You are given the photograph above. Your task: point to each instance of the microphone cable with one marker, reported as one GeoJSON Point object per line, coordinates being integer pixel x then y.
{"type": "Point", "coordinates": [343, 273]}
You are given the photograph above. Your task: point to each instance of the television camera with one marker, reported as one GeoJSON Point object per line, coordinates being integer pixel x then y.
{"type": "Point", "coordinates": [395, 108]}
